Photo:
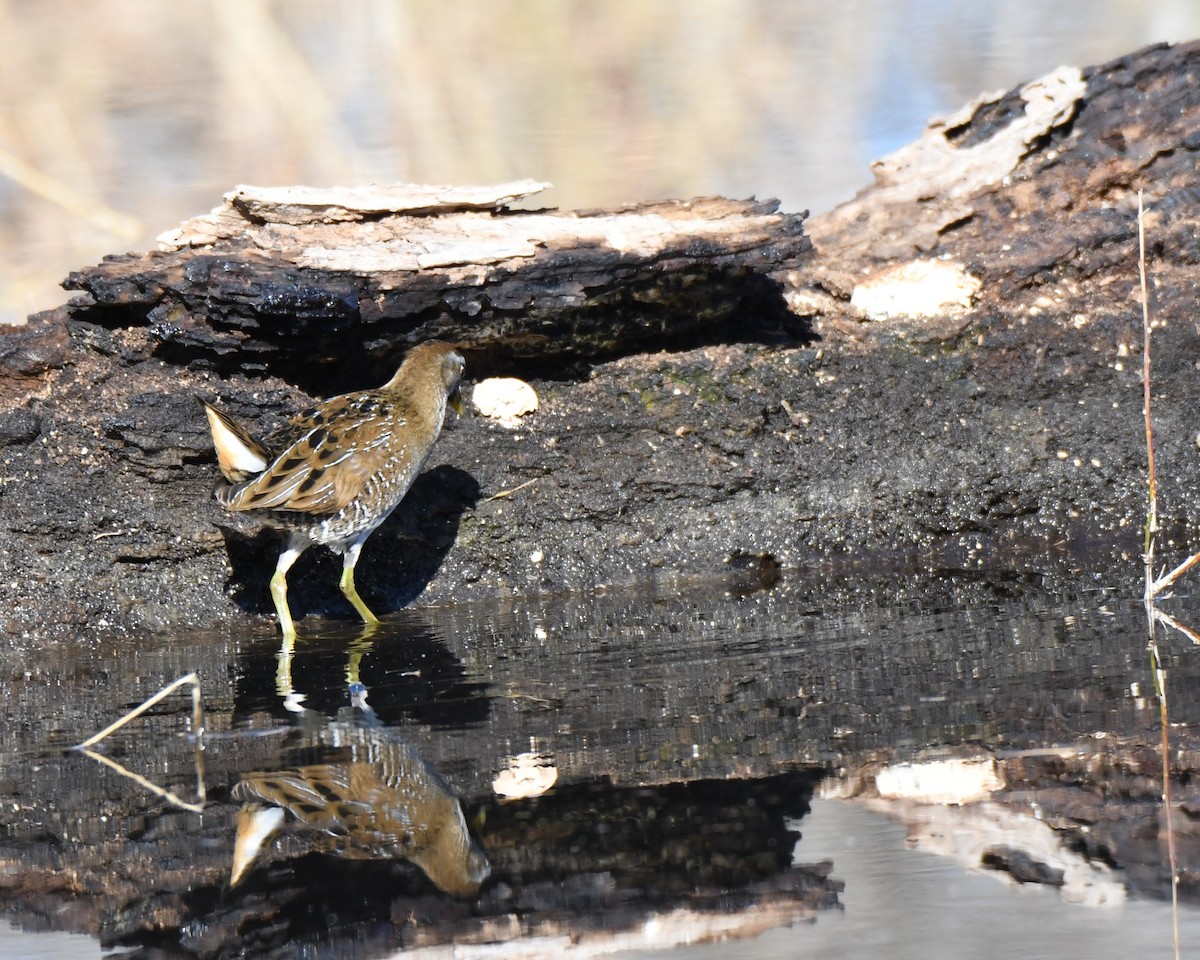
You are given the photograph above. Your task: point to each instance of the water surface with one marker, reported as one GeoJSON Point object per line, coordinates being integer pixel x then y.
{"type": "Point", "coordinates": [618, 759]}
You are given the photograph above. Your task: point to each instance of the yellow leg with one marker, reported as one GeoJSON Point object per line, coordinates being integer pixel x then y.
{"type": "Point", "coordinates": [347, 585]}
{"type": "Point", "coordinates": [283, 676]}
{"type": "Point", "coordinates": [279, 591]}
{"type": "Point", "coordinates": [283, 671]}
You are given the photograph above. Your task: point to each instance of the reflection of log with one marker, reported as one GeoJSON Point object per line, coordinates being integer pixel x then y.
{"type": "Point", "coordinates": [632, 695]}
{"type": "Point", "coordinates": [288, 277]}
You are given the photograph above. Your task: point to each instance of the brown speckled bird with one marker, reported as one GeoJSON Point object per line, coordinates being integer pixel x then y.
{"type": "Point", "coordinates": [337, 470]}
{"type": "Point", "coordinates": [364, 794]}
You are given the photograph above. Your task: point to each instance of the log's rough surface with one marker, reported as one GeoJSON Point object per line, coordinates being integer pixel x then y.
{"type": "Point", "coordinates": [283, 277]}
{"type": "Point", "coordinates": [687, 422]}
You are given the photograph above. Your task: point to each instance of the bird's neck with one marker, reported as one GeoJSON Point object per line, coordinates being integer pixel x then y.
{"type": "Point", "coordinates": [419, 394]}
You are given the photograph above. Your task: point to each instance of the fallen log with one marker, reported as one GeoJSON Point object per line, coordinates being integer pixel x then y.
{"type": "Point", "coordinates": [293, 280]}
{"type": "Point", "coordinates": [282, 291]}
{"type": "Point", "coordinates": [686, 424]}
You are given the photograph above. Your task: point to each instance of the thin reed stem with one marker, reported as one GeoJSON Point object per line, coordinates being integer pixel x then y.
{"type": "Point", "coordinates": [197, 710]}
{"type": "Point", "coordinates": [1153, 615]}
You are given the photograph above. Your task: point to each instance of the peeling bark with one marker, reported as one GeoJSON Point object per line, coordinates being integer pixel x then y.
{"type": "Point", "coordinates": [287, 278]}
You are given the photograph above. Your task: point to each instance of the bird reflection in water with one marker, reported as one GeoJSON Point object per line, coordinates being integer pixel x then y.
{"type": "Point", "coordinates": [356, 649]}
{"type": "Point", "coordinates": [361, 792]}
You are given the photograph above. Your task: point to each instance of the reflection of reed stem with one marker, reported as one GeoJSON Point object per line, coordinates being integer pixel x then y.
{"type": "Point", "coordinates": [154, 788]}
{"type": "Point", "coordinates": [197, 711]}
{"type": "Point", "coordinates": [1168, 620]}
{"type": "Point", "coordinates": [197, 731]}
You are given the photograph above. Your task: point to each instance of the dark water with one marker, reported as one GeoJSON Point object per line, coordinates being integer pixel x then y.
{"type": "Point", "coordinates": [609, 767]}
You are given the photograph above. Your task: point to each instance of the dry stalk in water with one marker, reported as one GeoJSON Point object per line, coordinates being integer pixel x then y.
{"type": "Point", "coordinates": [1153, 587]}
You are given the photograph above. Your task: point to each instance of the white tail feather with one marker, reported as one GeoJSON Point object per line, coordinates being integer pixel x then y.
{"type": "Point", "coordinates": [234, 454]}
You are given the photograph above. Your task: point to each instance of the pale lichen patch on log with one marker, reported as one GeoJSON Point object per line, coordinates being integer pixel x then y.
{"type": "Point", "coordinates": [504, 400]}
{"type": "Point", "coordinates": [916, 288]}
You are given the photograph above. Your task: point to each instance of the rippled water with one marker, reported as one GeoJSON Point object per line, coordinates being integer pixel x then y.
{"type": "Point", "coordinates": [618, 759]}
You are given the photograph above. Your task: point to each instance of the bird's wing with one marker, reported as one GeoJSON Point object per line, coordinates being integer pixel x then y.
{"type": "Point", "coordinates": [337, 798]}
{"type": "Point", "coordinates": [326, 467]}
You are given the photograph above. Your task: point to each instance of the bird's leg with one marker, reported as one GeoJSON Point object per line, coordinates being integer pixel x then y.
{"type": "Point", "coordinates": [279, 590]}
{"type": "Point", "coordinates": [358, 648]}
{"type": "Point", "coordinates": [283, 672]}
{"type": "Point", "coordinates": [349, 559]}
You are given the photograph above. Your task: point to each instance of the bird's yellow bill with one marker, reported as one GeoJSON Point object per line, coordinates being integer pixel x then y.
{"type": "Point", "coordinates": [456, 402]}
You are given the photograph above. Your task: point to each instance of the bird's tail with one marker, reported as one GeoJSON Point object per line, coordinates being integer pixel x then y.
{"type": "Point", "coordinates": [239, 455]}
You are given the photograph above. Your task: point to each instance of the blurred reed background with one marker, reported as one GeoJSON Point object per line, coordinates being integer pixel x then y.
{"type": "Point", "coordinates": [119, 118]}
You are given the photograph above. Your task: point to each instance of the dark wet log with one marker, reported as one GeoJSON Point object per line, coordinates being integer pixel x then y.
{"type": "Point", "coordinates": [996, 422]}
{"type": "Point", "coordinates": [285, 280]}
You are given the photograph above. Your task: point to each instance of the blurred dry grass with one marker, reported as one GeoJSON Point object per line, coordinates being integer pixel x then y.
{"type": "Point", "coordinates": [119, 118]}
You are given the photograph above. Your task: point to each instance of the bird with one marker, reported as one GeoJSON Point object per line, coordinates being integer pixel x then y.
{"type": "Point", "coordinates": [360, 792]}
{"type": "Point", "coordinates": [338, 469]}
